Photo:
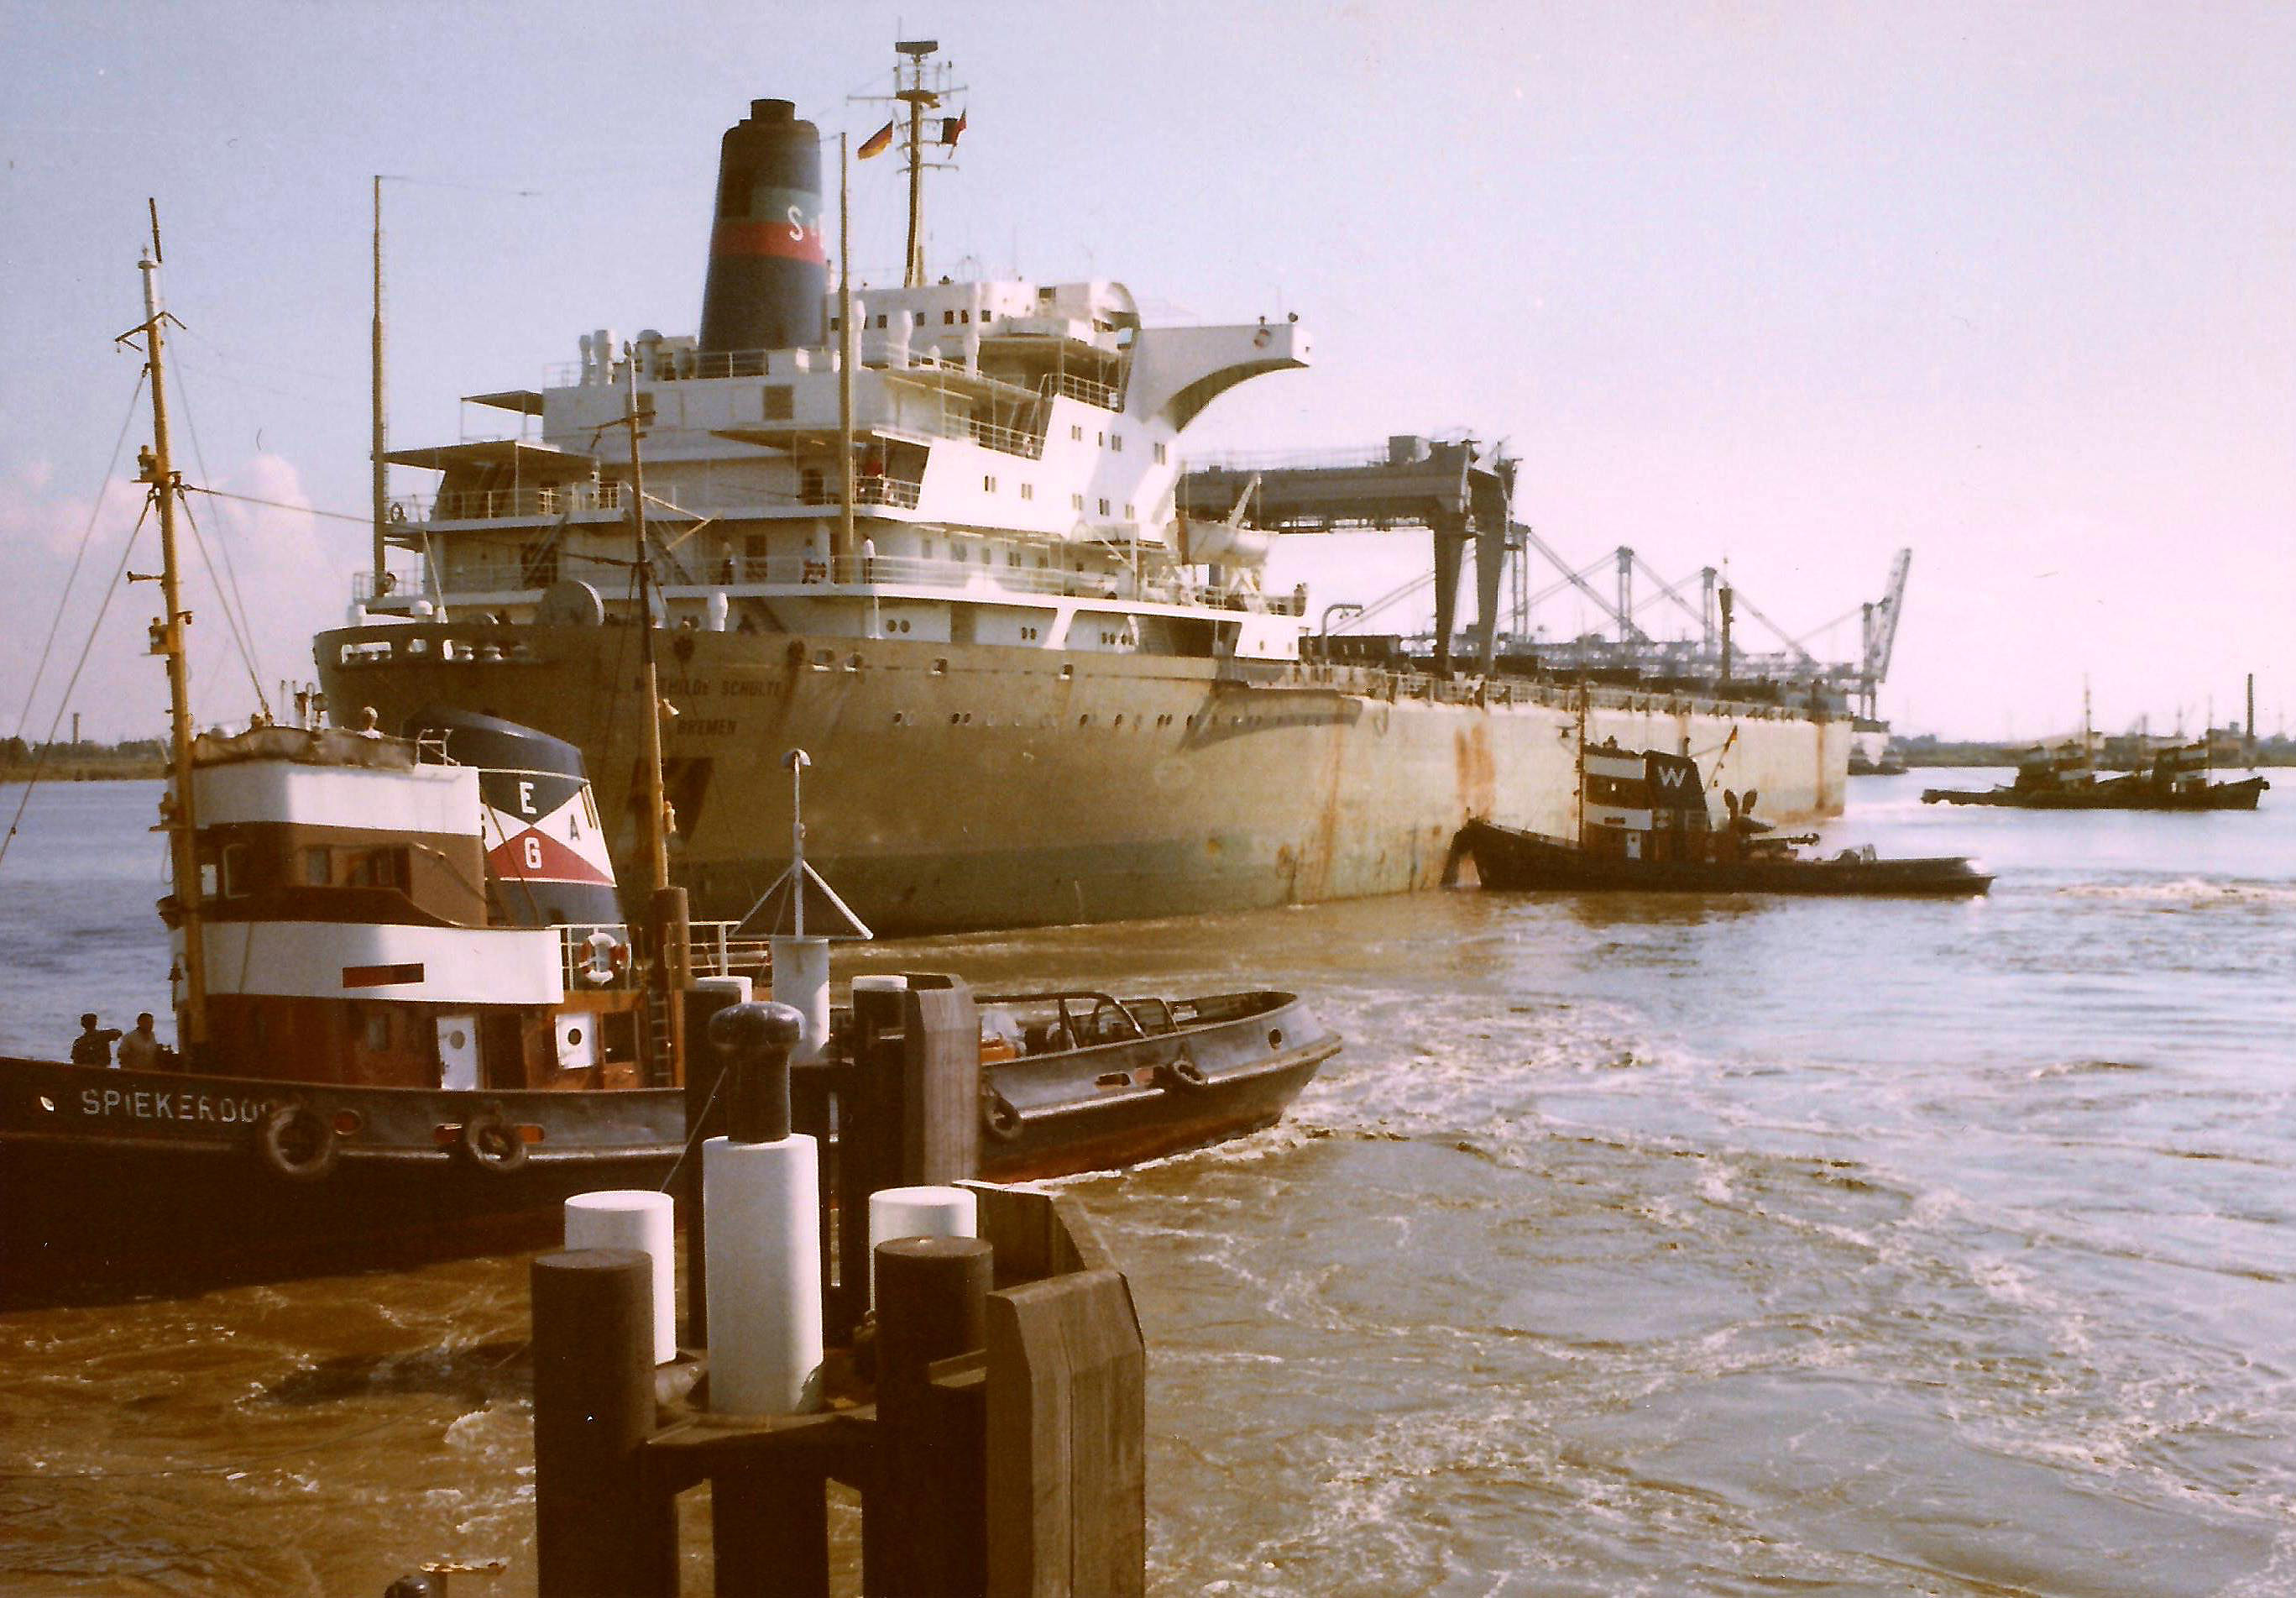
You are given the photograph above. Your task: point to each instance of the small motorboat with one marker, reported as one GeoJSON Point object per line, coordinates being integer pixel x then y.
{"type": "Point", "coordinates": [1647, 829]}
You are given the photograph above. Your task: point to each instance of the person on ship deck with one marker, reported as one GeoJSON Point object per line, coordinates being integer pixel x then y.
{"type": "Point", "coordinates": [93, 1046]}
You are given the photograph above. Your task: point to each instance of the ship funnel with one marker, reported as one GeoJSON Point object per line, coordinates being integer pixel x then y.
{"type": "Point", "coordinates": [546, 859]}
{"type": "Point", "coordinates": [768, 274]}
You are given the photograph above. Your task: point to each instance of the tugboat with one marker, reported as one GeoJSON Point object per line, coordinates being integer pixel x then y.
{"type": "Point", "coordinates": [412, 1018]}
{"type": "Point", "coordinates": [2064, 779]}
{"type": "Point", "coordinates": [1644, 826]}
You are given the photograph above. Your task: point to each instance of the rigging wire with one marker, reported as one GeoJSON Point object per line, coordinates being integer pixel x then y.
{"type": "Point", "coordinates": [86, 538]}
{"type": "Point", "coordinates": [94, 628]}
{"type": "Point", "coordinates": [238, 635]}
{"type": "Point", "coordinates": [240, 626]}
{"type": "Point", "coordinates": [331, 516]}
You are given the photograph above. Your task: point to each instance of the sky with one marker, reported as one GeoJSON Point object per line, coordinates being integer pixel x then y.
{"type": "Point", "coordinates": [1787, 287]}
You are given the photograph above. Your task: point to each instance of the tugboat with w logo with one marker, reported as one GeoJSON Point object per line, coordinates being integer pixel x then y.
{"type": "Point", "coordinates": [1644, 825]}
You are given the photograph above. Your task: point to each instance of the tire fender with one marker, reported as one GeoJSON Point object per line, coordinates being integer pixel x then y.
{"type": "Point", "coordinates": [295, 1142]}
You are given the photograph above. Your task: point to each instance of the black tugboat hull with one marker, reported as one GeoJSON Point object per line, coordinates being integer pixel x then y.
{"type": "Point", "coordinates": [2118, 793]}
{"type": "Point", "coordinates": [116, 1183]}
{"type": "Point", "coordinates": [1507, 859]}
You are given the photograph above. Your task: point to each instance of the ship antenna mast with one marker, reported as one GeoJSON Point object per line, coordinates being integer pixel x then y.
{"type": "Point", "coordinates": [921, 85]}
{"type": "Point", "coordinates": [180, 817]}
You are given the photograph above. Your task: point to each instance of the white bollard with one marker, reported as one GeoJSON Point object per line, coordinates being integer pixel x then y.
{"type": "Point", "coordinates": [801, 982]}
{"type": "Point", "coordinates": [738, 987]}
{"type": "Point", "coordinates": [646, 1221]}
{"type": "Point", "coordinates": [764, 1252]}
{"type": "Point", "coordinates": [919, 1212]}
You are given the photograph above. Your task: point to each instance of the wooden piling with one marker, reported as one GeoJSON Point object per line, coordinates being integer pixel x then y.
{"type": "Point", "coordinates": [598, 1533]}
{"type": "Point", "coordinates": [1067, 1503]}
{"type": "Point", "coordinates": [941, 1089]}
{"type": "Point", "coordinates": [922, 1528]}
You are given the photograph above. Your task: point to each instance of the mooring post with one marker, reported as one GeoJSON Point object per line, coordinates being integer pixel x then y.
{"type": "Point", "coordinates": [924, 1516]}
{"type": "Point", "coordinates": [597, 1534]}
{"type": "Point", "coordinates": [760, 1184]}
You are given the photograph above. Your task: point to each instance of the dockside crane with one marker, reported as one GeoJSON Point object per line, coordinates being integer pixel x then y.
{"type": "Point", "coordinates": [1881, 632]}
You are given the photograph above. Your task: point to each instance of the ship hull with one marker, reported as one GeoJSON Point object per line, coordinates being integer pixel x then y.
{"type": "Point", "coordinates": [958, 788]}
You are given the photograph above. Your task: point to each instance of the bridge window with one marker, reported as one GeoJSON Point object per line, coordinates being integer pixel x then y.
{"type": "Point", "coordinates": [780, 402]}
{"type": "Point", "coordinates": [1104, 507]}
{"type": "Point", "coordinates": [1116, 443]}
{"type": "Point", "coordinates": [1028, 491]}
{"type": "Point", "coordinates": [1076, 501]}
{"type": "Point", "coordinates": [1160, 454]}
{"type": "Point", "coordinates": [1076, 431]}
{"type": "Point", "coordinates": [948, 318]}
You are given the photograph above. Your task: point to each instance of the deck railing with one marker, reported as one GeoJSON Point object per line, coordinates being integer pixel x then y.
{"type": "Point", "coordinates": [464, 578]}
{"type": "Point", "coordinates": [488, 505]}
{"type": "Point", "coordinates": [716, 949]}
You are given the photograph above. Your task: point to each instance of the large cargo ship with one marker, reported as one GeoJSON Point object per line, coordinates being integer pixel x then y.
{"type": "Point", "coordinates": [935, 536]}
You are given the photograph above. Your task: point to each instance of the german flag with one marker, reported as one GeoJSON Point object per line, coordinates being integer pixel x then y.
{"type": "Point", "coordinates": [877, 142]}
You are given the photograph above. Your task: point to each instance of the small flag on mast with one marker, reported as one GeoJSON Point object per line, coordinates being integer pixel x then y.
{"type": "Point", "coordinates": [951, 128]}
{"type": "Point", "coordinates": [876, 143]}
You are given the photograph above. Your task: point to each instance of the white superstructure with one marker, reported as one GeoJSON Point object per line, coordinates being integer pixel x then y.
{"type": "Point", "coordinates": [1015, 455]}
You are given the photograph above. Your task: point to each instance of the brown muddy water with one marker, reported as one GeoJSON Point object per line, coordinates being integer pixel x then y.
{"type": "Point", "coordinates": [1633, 1245]}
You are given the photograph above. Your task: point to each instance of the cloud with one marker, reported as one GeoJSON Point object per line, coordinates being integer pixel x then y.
{"type": "Point", "coordinates": [261, 564]}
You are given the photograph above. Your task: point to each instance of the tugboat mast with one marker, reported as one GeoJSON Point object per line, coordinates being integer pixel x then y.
{"type": "Point", "coordinates": [653, 824]}
{"type": "Point", "coordinates": [167, 640]}
{"type": "Point", "coordinates": [381, 484]}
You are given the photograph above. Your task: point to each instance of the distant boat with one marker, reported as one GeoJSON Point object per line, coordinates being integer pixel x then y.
{"type": "Point", "coordinates": [1647, 829]}
{"type": "Point", "coordinates": [2064, 779]}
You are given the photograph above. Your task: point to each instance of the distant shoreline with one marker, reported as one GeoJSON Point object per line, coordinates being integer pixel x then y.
{"type": "Point", "coordinates": [80, 769]}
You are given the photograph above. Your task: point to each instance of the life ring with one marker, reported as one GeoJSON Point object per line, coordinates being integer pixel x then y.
{"type": "Point", "coordinates": [1260, 339]}
{"type": "Point", "coordinates": [999, 1116]}
{"type": "Point", "coordinates": [491, 1142]}
{"type": "Point", "coordinates": [295, 1142]}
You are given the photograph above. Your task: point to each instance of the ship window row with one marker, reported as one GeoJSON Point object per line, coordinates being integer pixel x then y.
{"type": "Point", "coordinates": [965, 718]}
{"type": "Point", "coordinates": [242, 870]}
